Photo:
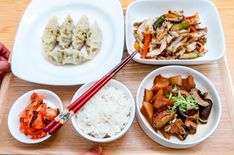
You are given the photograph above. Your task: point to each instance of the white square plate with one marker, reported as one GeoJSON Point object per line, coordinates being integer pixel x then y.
{"type": "Point", "coordinates": [143, 9]}
{"type": "Point", "coordinates": [28, 62]}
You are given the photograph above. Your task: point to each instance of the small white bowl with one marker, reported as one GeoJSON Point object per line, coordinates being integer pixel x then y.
{"type": "Point", "coordinates": [115, 84]}
{"type": "Point", "coordinates": [20, 104]}
{"type": "Point", "coordinates": [203, 131]}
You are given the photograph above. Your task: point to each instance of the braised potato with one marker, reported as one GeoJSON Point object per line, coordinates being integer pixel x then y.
{"type": "Point", "coordinates": [147, 110]}
{"type": "Point", "coordinates": [176, 80]}
{"type": "Point", "coordinates": [191, 83]}
{"type": "Point", "coordinates": [148, 95]}
{"type": "Point", "coordinates": [159, 93]}
{"type": "Point", "coordinates": [143, 111]}
{"type": "Point", "coordinates": [188, 83]}
{"type": "Point", "coordinates": [162, 102]}
{"type": "Point", "coordinates": [160, 82]}
{"type": "Point", "coordinates": [184, 83]}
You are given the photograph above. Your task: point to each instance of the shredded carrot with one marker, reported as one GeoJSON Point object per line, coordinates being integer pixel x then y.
{"type": "Point", "coordinates": [190, 17]}
{"type": "Point", "coordinates": [146, 45]}
{"type": "Point", "coordinates": [192, 28]}
{"type": "Point", "coordinates": [200, 48]}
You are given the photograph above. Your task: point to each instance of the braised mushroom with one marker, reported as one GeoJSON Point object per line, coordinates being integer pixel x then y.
{"type": "Point", "coordinates": [196, 96]}
{"type": "Point", "coordinates": [178, 128]}
{"type": "Point", "coordinates": [205, 111]}
{"type": "Point", "coordinates": [191, 124]}
{"type": "Point", "coordinates": [181, 114]}
{"type": "Point", "coordinates": [160, 119]}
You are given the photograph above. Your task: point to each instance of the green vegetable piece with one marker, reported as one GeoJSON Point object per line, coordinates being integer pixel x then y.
{"type": "Point", "coordinates": [183, 102]}
{"type": "Point", "coordinates": [191, 55]}
{"type": "Point", "coordinates": [159, 21]}
{"type": "Point", "coordinates": [180, 26]}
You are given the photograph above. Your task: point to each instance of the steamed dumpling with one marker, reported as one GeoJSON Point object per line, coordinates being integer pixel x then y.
{"type": "Point", "coordinates": [69, 44]}
{"type": "Point", "coordinates": [55, 56]}
{"type": "Point", "coordinates": [80, 33]}
{"type": "Point", "coordinates": [65, 33]}
{"type": "Point", "coordinates": [94, 40]}
{"type": "Point", "coordinates": [50, 34]}
{"type": "Point", "coordinates": [59, 56]}
{"type": "Point", "coordinates": [70, 56]}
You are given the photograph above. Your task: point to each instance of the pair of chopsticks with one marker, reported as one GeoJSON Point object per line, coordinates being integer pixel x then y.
{"type": "Point", "coordinates": [63, 117]}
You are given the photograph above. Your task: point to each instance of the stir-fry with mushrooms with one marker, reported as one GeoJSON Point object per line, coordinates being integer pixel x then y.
{"type": "Point", "coordinates": [170, 36]}
{"type": "Point", "coordinates": [175, 107]}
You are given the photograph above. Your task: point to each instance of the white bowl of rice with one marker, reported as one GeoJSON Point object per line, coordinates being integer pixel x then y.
{"type": "Point", "coordinates": [108, 115]}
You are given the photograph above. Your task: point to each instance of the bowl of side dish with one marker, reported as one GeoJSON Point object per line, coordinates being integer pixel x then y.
{"type": "Point", "coordinates": [108, 115]}
{"type": "Point", "coordinates": [30, 113]}
{"type": "Point", "coordinates": [180, 32]}
{"type": "Point", "coordinates": [177, 107]}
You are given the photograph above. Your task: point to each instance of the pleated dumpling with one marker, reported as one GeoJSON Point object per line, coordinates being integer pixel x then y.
{"type": "Point", "coordinates": [60, 56]}
{"type": "Point", "coordinates": [69, 44]}
{"type": "Point", "coordinates": [66, 32]}
{"type": "Point", "coordinates": [50, 33]}
{"type": "Point", "coordinates": [70, 56]}
{"type": "Point", "coordinates": [55, 56]}
{"type": "Point", "coordinates": [80, 33]}
{"type": "Point", "coordinates": [94, 40]}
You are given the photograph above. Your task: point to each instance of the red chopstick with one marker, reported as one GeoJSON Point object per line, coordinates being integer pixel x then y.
{"type": "Point", "coordinates": [71, 106]}
{"type": "Point", "coordinates": [4, 52]}
{"type": "Point", "coordinates": [78, 103]}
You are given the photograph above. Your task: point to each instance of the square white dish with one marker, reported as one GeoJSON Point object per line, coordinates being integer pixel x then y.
{"type": "Point", "coordinates": [28, 62]}
{"type": "Point", "coordinates": [143, 9]}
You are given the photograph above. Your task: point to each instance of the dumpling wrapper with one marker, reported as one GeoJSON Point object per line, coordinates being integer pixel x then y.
{"type": "Point", "coordinates": [55, 56]}
{"type": "Point", "coordinates": [80, 33]}
{"type": "Point", "coordinates": [60, 52]}
{"type": "Point", "coordinates": [50, 33]}
{"type": "Point", "coordinates": [65, 33]}
{"type": "Point", "coordinates": [94, 40]}
{"type": "Point", "coordinates": [59, 56]}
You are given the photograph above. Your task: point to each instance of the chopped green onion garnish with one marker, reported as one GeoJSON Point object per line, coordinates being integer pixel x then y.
{"type": "Point", "coordinates": [184, 103]}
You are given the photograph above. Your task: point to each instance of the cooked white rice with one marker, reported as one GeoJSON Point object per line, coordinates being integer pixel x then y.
{"type": "Point", "coordinates": [106, 114]}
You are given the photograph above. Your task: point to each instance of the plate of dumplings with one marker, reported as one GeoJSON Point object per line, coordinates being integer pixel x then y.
{"type": "Point", "coordinates": [68, 42]}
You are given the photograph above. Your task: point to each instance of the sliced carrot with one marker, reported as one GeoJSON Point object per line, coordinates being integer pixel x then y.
{"type": "Point", "coordinates": [200, 48]}
{"type": "Point", "coordinates": [192, 28]}
{"type": "Point", "coordinates": [190, 17]}
{"type": "Point", "coordinates": [146, 45]}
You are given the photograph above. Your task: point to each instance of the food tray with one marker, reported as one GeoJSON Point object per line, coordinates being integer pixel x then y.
{"type": "Point", "coordinates": [135, 141]}
{"type": "Point", "coordinates": [67, 141]}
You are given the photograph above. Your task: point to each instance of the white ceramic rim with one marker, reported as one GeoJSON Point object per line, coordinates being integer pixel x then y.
{"type": "Point", "coordinates": [174, 62]}
{"type": "Point", "coordinates": [21, 97]}
{"type": "Point", "coordinates": [116, 60]}
{"type": "Point", "coordinates": [120, 134]}
{"type": "Point", "coordinates": [152, 132]}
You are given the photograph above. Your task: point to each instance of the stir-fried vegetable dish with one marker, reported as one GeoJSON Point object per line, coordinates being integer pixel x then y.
{"type": "Point", "coordinates": [36, 116]}
{"type": "Point", "coordinates": [175, 107]}
{"type": "Point", "coordinates": [170, 36]}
